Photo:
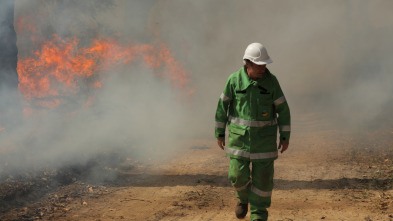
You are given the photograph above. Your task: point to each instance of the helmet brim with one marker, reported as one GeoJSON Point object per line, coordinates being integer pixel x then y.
{"type": "Point", "coordinates": [267, 61]}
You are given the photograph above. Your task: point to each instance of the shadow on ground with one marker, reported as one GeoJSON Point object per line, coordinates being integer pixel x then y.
{"type": "Point", "coordinates": [147, 180]}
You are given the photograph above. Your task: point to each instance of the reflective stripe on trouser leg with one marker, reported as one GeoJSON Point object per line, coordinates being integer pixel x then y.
{"type": "Point", "coordinates": [239, 175]}
{"type": "Point", "coordinates": [261, 189]}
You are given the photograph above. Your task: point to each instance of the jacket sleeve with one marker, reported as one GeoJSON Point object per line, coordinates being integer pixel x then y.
{"type": "Point", "coordinates": [282, 109]}
{"type": "Point", "coordinates": [221, 117]}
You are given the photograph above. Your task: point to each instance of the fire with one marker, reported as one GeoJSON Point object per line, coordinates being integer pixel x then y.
{"type": "Point", "coordinates": [59, 67]}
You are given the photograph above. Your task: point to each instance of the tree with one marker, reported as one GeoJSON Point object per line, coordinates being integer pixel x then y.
{"type": "Point", "coordinates": [8, 49]}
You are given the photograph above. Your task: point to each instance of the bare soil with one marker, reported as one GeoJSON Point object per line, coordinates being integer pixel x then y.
{"type": "Point", "coordinates": [325, 175]}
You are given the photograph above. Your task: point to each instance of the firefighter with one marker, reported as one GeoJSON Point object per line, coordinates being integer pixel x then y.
{"type": "Point", "coordinates": [253, 107]}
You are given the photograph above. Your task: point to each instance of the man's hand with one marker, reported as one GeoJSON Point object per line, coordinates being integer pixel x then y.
{"type": "Point", "coordinates": [221, 143]}
{"type": "Point", "coordinates": [283, 145]}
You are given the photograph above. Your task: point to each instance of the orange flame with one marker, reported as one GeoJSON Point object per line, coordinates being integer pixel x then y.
{"type": "Point", "coordinates": [59, 66]}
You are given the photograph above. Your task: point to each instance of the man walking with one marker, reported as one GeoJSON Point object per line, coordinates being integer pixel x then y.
{"type": "Point", "coordinates": [253, 106]}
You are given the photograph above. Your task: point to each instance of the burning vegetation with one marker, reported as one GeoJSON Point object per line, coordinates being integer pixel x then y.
{"type": "Point", "coordinates": [60, 66]}
{"type": "Point", "coordinates": [60, 77]}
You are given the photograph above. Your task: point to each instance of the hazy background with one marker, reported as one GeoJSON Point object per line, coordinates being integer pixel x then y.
{"type": "Point", "coordinates": [332, 58]}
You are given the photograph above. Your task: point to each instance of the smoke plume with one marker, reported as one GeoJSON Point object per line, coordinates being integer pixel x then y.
{"type": "Point", "coordinates": [331, 58]}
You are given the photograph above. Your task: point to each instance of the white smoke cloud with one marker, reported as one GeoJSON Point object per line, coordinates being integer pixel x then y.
{"type": "Point", "coordinates": [135, 113]}
{"type": "Point", "coordinates": [331, 58]}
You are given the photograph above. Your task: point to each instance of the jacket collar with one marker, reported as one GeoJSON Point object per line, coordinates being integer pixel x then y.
{"type": "Point", "coordinates": [246, 81]}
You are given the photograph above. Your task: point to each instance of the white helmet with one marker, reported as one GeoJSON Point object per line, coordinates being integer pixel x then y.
{"type": "Point", "coordinates": [257, 54]}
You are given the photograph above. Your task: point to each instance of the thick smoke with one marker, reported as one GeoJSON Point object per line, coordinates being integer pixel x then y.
{"type": "Point", "coordinates": [135, 114]}
{"type": "Point", "coordinates": [331, 58]}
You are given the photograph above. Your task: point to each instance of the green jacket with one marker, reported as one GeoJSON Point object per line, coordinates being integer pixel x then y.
{"type": "Point", "coordinates": [252, 110]}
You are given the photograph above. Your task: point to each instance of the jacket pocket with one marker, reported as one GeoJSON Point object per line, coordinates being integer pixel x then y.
{"type": "Point", "coordinates": [267, 138]}
{"type": "Point", "coordinates": [236, 136]}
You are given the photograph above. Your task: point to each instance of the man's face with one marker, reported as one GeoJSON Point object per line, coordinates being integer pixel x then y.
{"type": "Point", "coordinates": [255, 71]}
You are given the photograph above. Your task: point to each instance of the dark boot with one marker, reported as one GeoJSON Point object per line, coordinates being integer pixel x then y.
{"type": "Point", "coordinates": [241, 210]}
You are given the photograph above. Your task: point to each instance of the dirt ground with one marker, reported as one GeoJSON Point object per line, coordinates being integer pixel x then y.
{"type": "Point", "coordinates": [325, 175]}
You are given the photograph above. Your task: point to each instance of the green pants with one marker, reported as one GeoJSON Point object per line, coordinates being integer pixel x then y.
{"type": "Point", "coordinates": [255, 189]}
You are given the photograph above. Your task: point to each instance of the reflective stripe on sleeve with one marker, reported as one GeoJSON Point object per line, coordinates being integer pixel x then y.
{"type": "Point", "coordinates": [224, 98]}
{"type": "Point", "coordinates": [260, 192]}
{"type": "Point", "coordinates": [243, 187]}
{"type": "Point", "coordinates": [279, 101]}
{"type": "Point", "coordinates": [252, 123]}
{"type": "Point", "coordinates": [253, 156]}
{"type": "Point", "coordinates": [285, 128]}
{"type": "Point", "coordinates": [220, 124]}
